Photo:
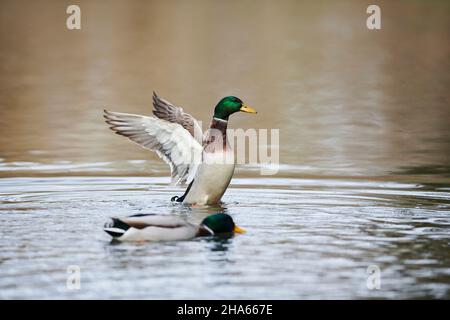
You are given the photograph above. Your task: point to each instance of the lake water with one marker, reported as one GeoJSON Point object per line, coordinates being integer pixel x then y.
{"type": "Point", "coordinates": [364, 120]}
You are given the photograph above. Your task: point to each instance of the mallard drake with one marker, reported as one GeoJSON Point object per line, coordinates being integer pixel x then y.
{"type": "Point", "coordinates": [153, 227]}
{"type": "Point", "coordinates": [205, 162]}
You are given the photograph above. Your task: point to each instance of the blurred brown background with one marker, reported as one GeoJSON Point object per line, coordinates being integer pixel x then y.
{"type": "Point", "coordinates": [347, 100]}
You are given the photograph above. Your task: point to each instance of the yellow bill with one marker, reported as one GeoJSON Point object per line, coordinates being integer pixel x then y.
{"type": "Point", "coordinates": [246, 108]}
{"type": "Point", "coordinates": [239, 230]}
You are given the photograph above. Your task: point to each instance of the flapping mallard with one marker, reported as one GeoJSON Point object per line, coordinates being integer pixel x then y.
{"type": "Point", "coordinates": [152, 227]}
{"type": "Point", "coordinates": [205, 162]}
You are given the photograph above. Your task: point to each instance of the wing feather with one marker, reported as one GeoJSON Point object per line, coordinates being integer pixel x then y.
{"type": "Point", "coordinates": [170, 141]}
{"type": "Point", "coordinates": [165, 110]}
{"type": "Point", "coordinates": [153, 220]}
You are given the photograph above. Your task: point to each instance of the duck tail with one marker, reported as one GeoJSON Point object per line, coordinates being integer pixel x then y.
{"type": "Point", "coordinates": [116, 227]}
{"type": "Point", "coordinates": [176, 199]}
{"type": "Point", "coordinates": [181, 199]}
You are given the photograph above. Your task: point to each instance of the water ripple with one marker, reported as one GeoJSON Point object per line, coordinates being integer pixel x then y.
{"type": "Point", "coordinates": [306, 239]}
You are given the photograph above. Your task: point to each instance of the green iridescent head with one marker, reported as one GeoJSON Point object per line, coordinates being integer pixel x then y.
{"type": "Point", "coordinates": [220, 223]}
{"type": "Point", "coordinates": [229, 105]}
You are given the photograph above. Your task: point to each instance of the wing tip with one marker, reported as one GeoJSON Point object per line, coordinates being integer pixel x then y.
{"type": "Point", "coordinates": [107, 114]}
{"type": "Point", "coordinates": [156, 98]}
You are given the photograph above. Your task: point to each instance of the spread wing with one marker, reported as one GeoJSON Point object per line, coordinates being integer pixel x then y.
{"type": "Point", "coordinates": [169, 112]}
{"type": "Point", "coordinates": [169, 140]}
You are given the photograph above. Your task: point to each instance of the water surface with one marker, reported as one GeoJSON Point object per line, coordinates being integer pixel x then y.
{"type": "Point", "coordinates": [364, 124]}
{"type": "Point", "coordinates": [306, 239]}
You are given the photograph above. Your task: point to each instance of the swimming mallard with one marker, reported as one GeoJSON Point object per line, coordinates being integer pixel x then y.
{"type": "Point", "coordinates": [205, 162]}
{"type": "Point", "coordinates": [153, 227]}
